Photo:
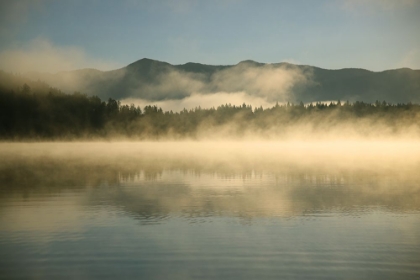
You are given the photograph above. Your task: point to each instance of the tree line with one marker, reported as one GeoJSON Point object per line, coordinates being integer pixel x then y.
{"type": "Point", "coordinates": [52, 114]}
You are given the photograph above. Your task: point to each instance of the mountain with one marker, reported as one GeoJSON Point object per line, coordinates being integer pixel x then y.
{"type": "Point", "coordinates": [155, 80]}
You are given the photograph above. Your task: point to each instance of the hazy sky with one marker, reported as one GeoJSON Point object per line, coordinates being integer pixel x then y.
{"type": "Point", "coordinates": [63, 35]}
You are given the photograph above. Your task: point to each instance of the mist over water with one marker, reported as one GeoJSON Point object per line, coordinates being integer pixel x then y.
{"type": "Point", "coordinates": [190, 139]}
{"type": "Point", "coordinates": [210, 209]}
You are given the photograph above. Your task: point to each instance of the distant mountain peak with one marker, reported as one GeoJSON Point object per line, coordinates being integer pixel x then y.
{"type": "Point", "coordinates": [146, 61]}
{"type": "Point", "coordinates": [250, 62]}
{"type": "Point", "coordinates": [193, 63]}
{"type": "Point", "coordinates": [154, 80]}
{"type": "Point", "coordinates": [145, 65]}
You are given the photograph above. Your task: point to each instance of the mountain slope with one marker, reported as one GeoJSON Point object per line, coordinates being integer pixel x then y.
{"type": "Point", "coordinates": [155, 80]}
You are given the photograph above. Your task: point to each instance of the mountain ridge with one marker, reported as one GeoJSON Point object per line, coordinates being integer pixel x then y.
{"type": "Point", "coordinates": [158, 80]}
{"type": "Point", "coordinates": [253, 61]}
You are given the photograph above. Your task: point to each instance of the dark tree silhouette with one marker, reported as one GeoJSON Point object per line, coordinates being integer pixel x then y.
{"type": "Point", "coordinates": [32, 110]}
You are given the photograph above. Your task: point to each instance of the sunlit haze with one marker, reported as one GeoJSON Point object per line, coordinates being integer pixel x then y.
{"type": "Point", "coordinates": [225, 139]}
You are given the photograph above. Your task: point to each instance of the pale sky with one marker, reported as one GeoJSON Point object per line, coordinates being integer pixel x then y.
{"type": "Point", "coordinates": [57, 35]}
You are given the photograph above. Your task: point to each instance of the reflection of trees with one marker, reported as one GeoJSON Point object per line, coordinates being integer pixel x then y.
{"type": "Point", "coordinates": [151, 189]}
{"type": "Point", "coordinates": [291, 199]}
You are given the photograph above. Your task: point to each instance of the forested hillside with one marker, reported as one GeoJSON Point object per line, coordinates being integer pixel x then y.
{"type": "Point", "coordinates": [37, 111]}
{"type": "Point", "coordinates": [156, 80]}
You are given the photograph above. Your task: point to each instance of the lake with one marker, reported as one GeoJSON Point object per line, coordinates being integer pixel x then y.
{"type": "Point", "coordinates": [210, 210]}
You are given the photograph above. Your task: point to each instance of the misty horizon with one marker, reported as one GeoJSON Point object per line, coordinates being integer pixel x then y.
{"type": "Point", "coordinates": [224, 139]}
{"type": "Point", "coordinates": [188, 63]}
{"type": "Point", "coordinates": [175, 87]}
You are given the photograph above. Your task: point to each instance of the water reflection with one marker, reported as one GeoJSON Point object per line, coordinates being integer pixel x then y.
{"type": "Point", "coordinates": [210, 210]}
{"type": "Point", "coordinates": [151, 185]}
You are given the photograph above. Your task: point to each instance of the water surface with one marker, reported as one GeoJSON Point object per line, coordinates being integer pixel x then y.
{"type": "Point", "coordinates": [210, 210]}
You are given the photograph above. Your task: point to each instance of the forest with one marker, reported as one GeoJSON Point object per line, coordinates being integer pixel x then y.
{"type": "Point", "coordinates": [43, 113]}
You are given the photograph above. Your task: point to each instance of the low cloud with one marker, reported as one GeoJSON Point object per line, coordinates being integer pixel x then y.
{"type": "Point", "coordinates": [169, 87]}
{"type": "Point", "coordinates": [274, 83]}
{"type": "Point", "coordinates": [203, 101]}
{"type": "Point", "coordinates": [249, 82]}
{"type": "Point", "coordinates": [172, 84]}
{"type": "Point", "coordinates": [43, 56]}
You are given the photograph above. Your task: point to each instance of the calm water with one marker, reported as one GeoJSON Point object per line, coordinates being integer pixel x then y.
{"type": "Point", "coordinates": [151, 212]}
